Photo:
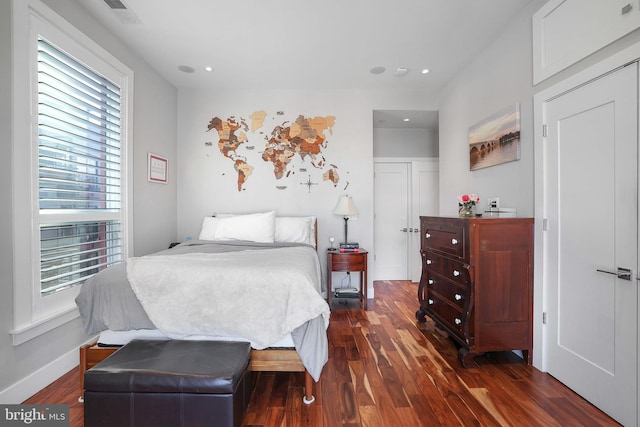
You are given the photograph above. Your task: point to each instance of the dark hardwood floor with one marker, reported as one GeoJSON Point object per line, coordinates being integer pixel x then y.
{"type": "Point", "coordinates": [386, 369]}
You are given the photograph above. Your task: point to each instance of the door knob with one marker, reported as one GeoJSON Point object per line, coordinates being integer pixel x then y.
{"type": "Point", "coordinates": [622, 273]}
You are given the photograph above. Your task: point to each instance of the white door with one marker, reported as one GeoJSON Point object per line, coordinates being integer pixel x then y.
{"type": "Point", "coordinates": [590, 204]}
{"type": "Point", "coordinates": [403, 192]}
{"type": "Point", "coordinates": [391, 190]}
{"type": "Point", "coordinates": [424, 197]}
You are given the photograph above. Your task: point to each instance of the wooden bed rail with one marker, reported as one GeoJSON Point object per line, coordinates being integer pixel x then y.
{"type": "Point", "coordinates": [283, 360]}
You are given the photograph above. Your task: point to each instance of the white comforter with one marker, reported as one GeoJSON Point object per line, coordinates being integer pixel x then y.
{"type": "Point", "coordinates": [253, 294]}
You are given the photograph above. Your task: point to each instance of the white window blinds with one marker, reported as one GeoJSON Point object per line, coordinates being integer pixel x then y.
{"type": "Point", "coordinates": [79, 170]}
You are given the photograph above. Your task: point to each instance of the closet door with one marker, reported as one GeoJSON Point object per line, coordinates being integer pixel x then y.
{"type": "Point", "coordinates": [425, 178]}
{"type": "Point", "coordinates": [590, 160]}
{"type": "Point", "coordinates": [391, 230]}
{"type": "Point", "coordinates": [403, 192]}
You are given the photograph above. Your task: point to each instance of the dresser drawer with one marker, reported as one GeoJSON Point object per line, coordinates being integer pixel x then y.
{"type": "Point", "coordinates": [447, 238]}
{"type": "Point", "coordinates": [451, 318]}
{"type": "Point", "coordinates": [442, 288]}
{"type": "Point", "coordinates": [350, 262]}
{"type": "Point", "coordinates": [449, 268]}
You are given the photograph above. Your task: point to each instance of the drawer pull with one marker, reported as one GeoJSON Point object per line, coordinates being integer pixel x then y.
{"type": "Point", "coordinates": [427, 235]}
{"type": "Point", "coordinates": [430, 301]}
{"type": "Point", "coordinates": [457, 321]}
{"type": "Point", "coordinates": [456, 273]}
{"type": "Point", "coordinates": [431, 281]}
{"type": "Point", "coordinates": [428, 261]}
{"type": "Point", "coordinates": [454, 241]}
{"type": "Point", "coordinates": [458, 297]}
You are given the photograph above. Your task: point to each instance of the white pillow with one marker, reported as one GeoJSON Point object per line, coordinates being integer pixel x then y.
{"type": "Point", "coordinates": [209, 225]}
{"type": "Point", "coordinates": [252, 227]}
{"type": "Point", "coordinates": [294, 229]}
{"type": "Point", "coordinates": [208, 230]}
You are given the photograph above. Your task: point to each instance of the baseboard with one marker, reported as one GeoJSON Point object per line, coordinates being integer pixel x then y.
{"type": "Point", "coordinates": [36, 381]}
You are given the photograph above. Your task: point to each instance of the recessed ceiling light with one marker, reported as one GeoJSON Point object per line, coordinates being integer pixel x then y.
{"type": "Point", "coordinates": [425, 71]}
{"type": "Point", "coordinates": [186, 69]}
{"type": "Point", "coordinates": [207, 68]}
{"type": "Point", "coordinates": [406, 120]}
{"type": "Point", "coordinates": [401, 71]}
{"type": "Point", "coordinates": [377, 70]}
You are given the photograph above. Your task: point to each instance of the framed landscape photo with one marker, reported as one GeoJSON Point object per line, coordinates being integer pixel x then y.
{"type": "Point", "coordinates": [496, 139]}
{"type": "Point", "coordinates": [157, 168]}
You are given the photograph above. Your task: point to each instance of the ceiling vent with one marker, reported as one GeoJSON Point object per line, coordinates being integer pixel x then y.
{"type": "Point", "coordinates": [115, 4]}
{"type": "Point", "coordinates": [122, 12]}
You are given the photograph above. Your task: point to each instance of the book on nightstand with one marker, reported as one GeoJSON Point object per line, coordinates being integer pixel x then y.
{"type": "Point", "coordinates": [349, 247]}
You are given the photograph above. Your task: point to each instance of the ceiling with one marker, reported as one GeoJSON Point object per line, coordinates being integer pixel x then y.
{"type": "Point", "coordinates": [405, 119]}
{"type": "Point", "coordinates": [299, 44]}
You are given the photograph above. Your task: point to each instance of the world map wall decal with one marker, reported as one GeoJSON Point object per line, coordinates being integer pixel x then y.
{"type": "Point", "coordinates": [302, 141]}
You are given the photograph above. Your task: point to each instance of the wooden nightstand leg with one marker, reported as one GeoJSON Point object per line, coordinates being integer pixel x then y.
{"type": "Point", "coordinates": [364, 287]}
{"type": "Point", "coordinates": [329, 288]}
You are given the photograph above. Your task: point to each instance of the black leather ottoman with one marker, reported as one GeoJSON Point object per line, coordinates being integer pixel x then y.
{"type": "Point", "coordinates": [169, 383]}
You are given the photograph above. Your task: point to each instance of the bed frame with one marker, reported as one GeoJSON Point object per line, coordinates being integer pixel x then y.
{"type": "Point", "coordinates": [267, 360]}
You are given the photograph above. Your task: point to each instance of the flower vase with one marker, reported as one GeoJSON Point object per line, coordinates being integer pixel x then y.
{"type": "Point", "coordinates": [466, 210]}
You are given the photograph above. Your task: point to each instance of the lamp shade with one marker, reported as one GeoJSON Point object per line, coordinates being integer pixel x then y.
{"type": "Point", "coordinates": [345, 207]}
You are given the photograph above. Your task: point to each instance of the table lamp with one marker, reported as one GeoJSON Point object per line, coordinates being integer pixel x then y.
{"type": "Point", "coordinates": [346, 208]}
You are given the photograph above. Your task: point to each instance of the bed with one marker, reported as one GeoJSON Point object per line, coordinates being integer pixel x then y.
{"type": "Point", "coordinates": [252, 277]}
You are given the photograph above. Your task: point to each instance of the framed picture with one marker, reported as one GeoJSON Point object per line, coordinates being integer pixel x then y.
{"type": "Point", "coordinates": [157, 168]}
{"type": "Point", "coordinates": [496, 139]}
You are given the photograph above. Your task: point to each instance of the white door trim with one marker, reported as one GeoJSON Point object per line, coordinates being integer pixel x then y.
{"type": "Point", "coordinates": [405, 159]}
{"type": "Point", "coordinates": [597, 70]}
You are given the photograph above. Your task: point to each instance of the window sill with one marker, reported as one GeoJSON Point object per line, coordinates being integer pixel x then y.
{"type": "Point", "coordinates": [32, 330]}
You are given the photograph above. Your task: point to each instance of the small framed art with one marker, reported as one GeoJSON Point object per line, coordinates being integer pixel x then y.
{"type": "Point", "coordinates": [496, 139]}
{"type": "Point", "coordinates": [157, 168]}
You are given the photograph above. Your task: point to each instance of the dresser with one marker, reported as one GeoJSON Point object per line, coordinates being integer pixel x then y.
{"type": "Point", "coordinates": [477, 282]}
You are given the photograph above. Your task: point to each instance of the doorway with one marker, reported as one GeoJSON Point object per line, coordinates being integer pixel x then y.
{"type": "Point", "coordinates": [403, 191]}
{"type": "Point", "coordinates": [406, 181]}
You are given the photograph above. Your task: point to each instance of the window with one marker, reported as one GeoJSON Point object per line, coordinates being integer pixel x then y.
{"type": "Point", "coordinates": [71, 186]}
{"type": "Point", "coordinates": [78, 170]}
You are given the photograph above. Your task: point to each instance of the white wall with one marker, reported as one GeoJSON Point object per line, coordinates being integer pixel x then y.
{"type": "Point", "coordinates": [29, 366]}
{"type": "Point", "coordinates": [500, 76]}
{"type": "Point", "coordinates": [207, 180]}
{"type": "Point", "coordinates": [6, 208]}
{"type": "Point", "coordinates": [394, 142]}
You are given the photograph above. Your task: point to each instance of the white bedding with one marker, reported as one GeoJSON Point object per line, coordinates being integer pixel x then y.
{"type": "Point", "coordinates": [206, 294]}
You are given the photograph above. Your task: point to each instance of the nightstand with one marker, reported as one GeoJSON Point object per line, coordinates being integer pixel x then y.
{"type": "Point", "coordinates": [351, 262]}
